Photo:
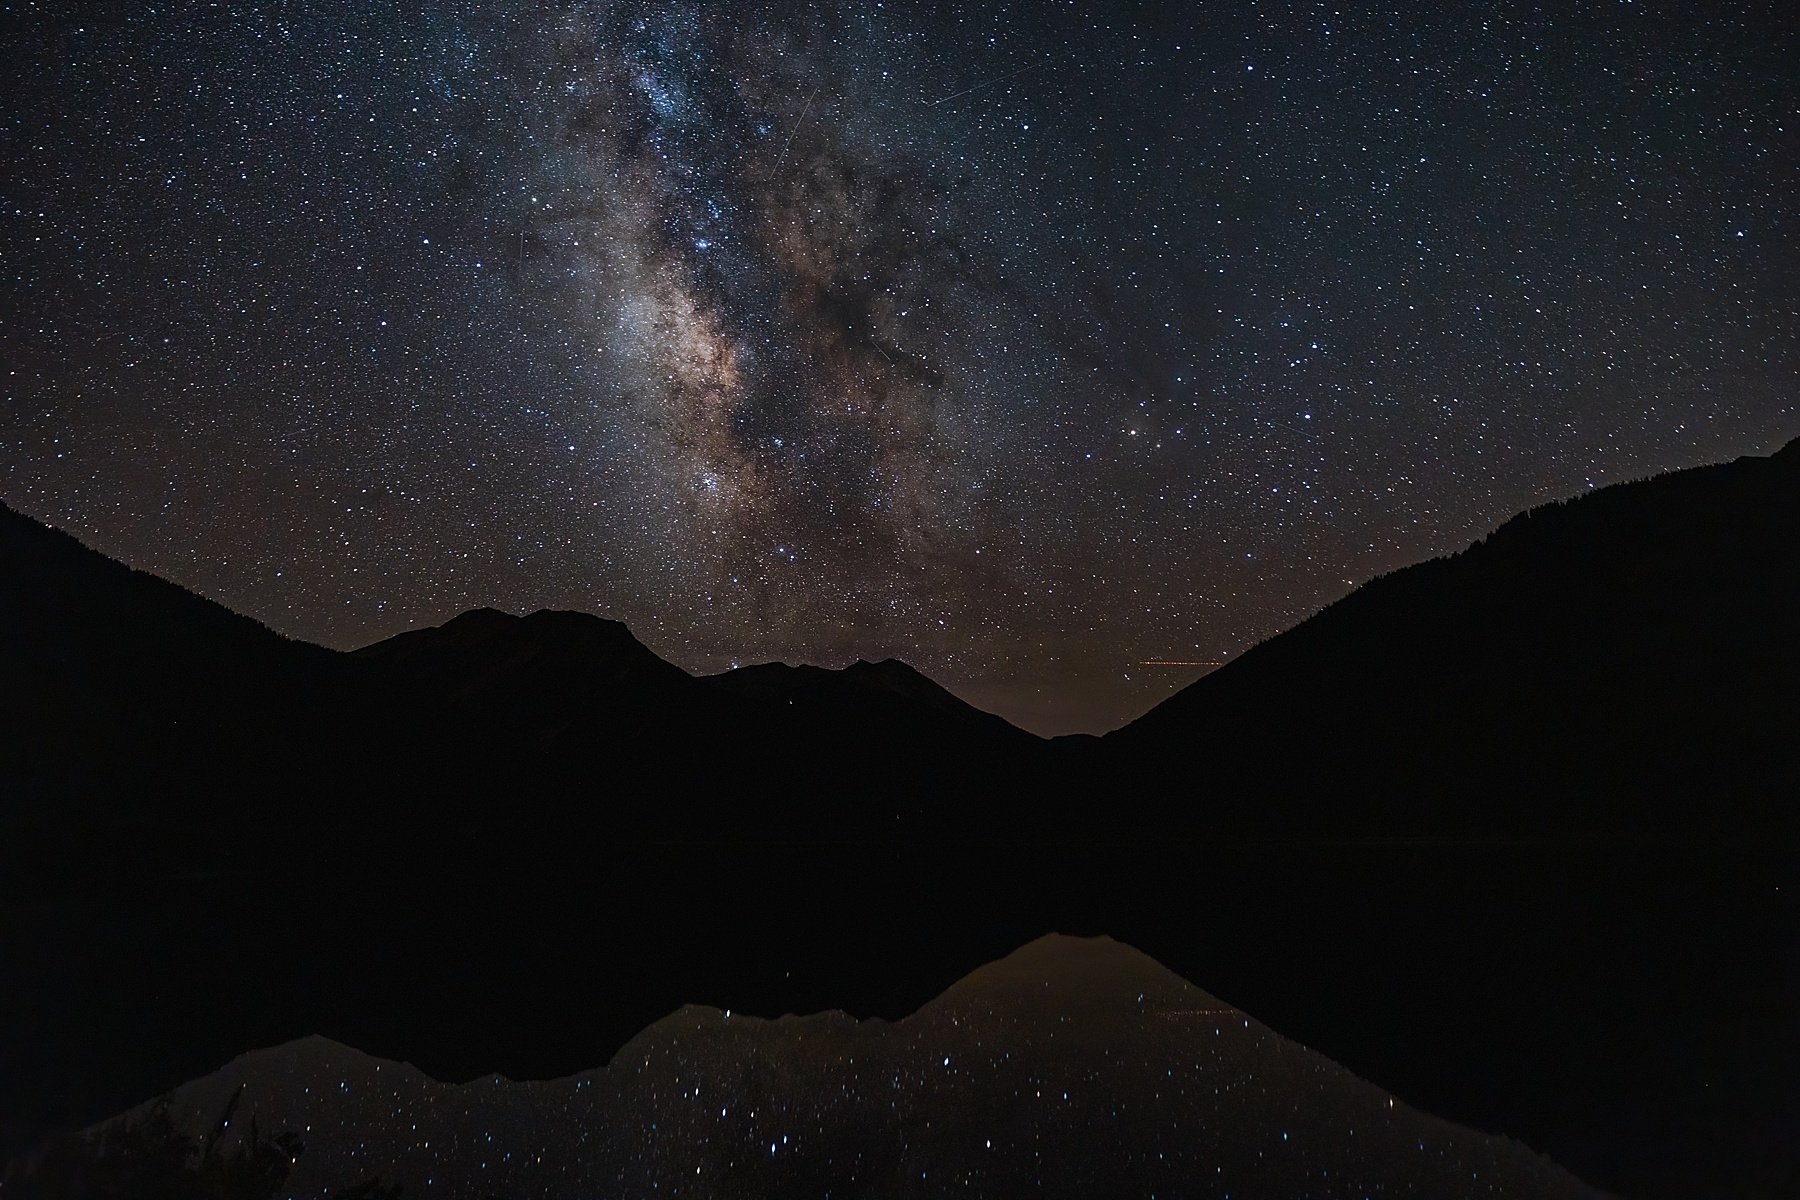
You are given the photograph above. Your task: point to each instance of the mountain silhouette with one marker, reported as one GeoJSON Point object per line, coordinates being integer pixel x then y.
{"type": "Point", "coordinates": [1627, 662]}
{"type": "Point", "coordinates": [572, 713]}
{"type": "Point", "coordinates": [1594, 665]}
{"type": "Point", "coordinates": [134, 693]}
{"type": "Point", "coordinates": [889, 693]}
{"type": "Point", "coordinates": [584, 656]}
{"type": "Point", "coordinates": [120, 685]}
{"type": "Point", "coordinates": [1073, 1067]}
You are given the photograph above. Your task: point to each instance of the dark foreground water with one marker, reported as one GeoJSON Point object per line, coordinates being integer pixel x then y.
{"type": "Point", "coordinates": [1632, 1011]}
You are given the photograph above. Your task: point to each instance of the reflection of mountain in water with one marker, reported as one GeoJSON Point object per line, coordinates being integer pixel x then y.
{"type": "Point", "coordinates": [1074, 1067]}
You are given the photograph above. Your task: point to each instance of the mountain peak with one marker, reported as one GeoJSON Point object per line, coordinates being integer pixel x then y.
{"type": "Point", "coordinates": [555, 621]}
{"type": "Point", "coordinates": [1077, 974]}
{"type": "Point", "coordinates": [546, 628]}
{"type": "Point", "coordinates": [481, 618]}
{"type": "Point", "coordinates": [571, 618]}
{"type": "Point", "coordinates": [582, 626]}
{"type": "Point", "coordinates": [891, 686]}
{"type": "Point", "coordinates": [888, 668]}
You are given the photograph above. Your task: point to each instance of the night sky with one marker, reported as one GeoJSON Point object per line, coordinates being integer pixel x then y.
{"type": "Point", "coordinates": [1029, 343]}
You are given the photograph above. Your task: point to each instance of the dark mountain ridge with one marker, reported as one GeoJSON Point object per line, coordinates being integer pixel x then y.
{"type": "Point", "coordinates": [572, 710]}
{"type": "Point", "coordinates": [485, 645]}
{"type": "Point", "coordinates": [901, 691]}
{"type": "Point", "coordinates": [133, 696]}
{"type": "Point", "coordinates": [116, 678]}
{"type": "Point", "coordinates": [1627, 661]}
{"type": "Point", "coordinates": [1589, 666]}
{"type": "Point", "coordinates": [1624, 661]}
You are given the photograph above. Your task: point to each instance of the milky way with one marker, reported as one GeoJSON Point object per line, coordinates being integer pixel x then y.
{"type": "Point", "coordinates": [1032, 344]}
{"type": "Point", "coordinates": [757, 277]}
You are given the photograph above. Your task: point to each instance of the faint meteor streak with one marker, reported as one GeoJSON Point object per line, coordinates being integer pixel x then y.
{"type": "Point", "coordinates": [804, 109]}
{"type": "Point", "coordinates": [969, 91]}
{"type": "Point", "coordinates": [1166, 662]}
{"type": "Point", "coordinates": [1197, 1012]}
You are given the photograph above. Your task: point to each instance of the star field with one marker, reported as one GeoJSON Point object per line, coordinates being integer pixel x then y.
{"type": "Point", "coordinates": [1071, 1068]}
{"type": "Point", "coordinates": [1029, 343]}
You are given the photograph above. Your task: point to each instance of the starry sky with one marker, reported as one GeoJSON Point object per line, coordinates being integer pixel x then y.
{"type": "Point", "coordinates": [1038, 344]}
